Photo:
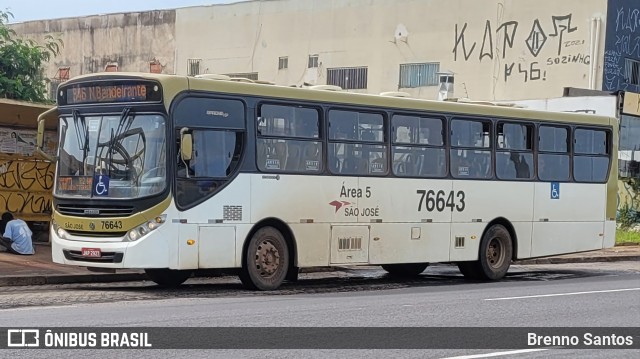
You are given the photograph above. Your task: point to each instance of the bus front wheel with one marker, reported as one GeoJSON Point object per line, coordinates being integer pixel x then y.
{"type": "Point", "coordinates": [168, 277]}
{"type": "Point", "coordinates": [266, 261]}
{"type": "Point", "coordinates": [405, 269]}
{"type": "Point", "coordinates": [494, 256]}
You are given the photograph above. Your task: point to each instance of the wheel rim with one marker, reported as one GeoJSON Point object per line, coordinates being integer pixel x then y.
{"type": "Point", "coordinates": [267, 259]}
{"type": "Point", "coordinates": [495, 253]}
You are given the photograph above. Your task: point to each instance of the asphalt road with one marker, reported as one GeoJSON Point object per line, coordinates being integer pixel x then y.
{"type": "Point", "coordinates": [572, 295]}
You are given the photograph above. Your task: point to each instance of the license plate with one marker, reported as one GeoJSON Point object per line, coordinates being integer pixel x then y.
{"type": "Point", "coordinates": [91, 252]}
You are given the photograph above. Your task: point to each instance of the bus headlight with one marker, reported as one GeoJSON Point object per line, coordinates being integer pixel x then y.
{"type": "Point", "coordinates": [145, 228]}
{"type": "Point", "coordinates": [62, 233]}
{"type": "Point", "coordinates": [59, 231]}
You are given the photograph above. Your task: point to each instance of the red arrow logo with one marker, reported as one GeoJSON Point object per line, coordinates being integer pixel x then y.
{"type": "Point", "coordinates": [339, 204]}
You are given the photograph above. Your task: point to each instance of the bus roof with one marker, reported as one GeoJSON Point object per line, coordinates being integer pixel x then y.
{"type": "Point", "coordinates": [174, 84]}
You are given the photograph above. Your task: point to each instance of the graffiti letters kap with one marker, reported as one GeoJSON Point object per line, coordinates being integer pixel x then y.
{"type": "Point", "coordinates": [494, 41]}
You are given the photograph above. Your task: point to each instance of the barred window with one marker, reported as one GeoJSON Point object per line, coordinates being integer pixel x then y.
{"type": "Point", "coordinates": [632, 71]}
{"type": "Point", "coordinates": [417, 75]}
{"type": "Point", "coordinates": [349, 78]}
{"type": "Point", "coordinates": [193, 67]}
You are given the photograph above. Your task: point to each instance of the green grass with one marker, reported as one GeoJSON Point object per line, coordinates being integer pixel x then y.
{"type": "Point", "coordinates": [624, 236]}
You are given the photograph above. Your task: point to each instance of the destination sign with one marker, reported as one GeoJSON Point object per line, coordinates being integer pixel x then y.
{"type": "Point", "coordinates": [110, 92]}
{"type": "Point", "coordinates": [75, 185]}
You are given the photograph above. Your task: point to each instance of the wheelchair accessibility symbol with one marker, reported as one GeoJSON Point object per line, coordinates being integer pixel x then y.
{"type": "Point", "coordinates": [100, 185]}
{"type": "Point", "coordinates": [555, 190]}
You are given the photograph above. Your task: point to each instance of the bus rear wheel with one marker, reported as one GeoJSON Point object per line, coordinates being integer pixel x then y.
{"type": "Point", "coordinates": [266, 261]}
{"type": "Point", "coordinates": [495, 254]}
{"type": "Point", "coordinates": [405, 269]}
{"type": "Point", "coordinates": [168, 277]}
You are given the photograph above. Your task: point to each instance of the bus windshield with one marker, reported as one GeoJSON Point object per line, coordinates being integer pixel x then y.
{"type": "Point", "coordinates": [111, 156]}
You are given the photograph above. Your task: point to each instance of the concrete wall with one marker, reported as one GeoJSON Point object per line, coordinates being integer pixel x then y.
{"type": "Point", "coordinates": [497, 49]}
{"type": "Point", "coordinates": [131, 40]}
{"type": "Point", "coordinates": [502, 50]}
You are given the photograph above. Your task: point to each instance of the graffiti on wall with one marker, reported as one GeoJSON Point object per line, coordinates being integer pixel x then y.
{"type": "Point", "coordinates": [622, 46]}
{"type": "Point", "coordinates": [478, 45]}
{"type": "Point", "coordinates": [25, 187]}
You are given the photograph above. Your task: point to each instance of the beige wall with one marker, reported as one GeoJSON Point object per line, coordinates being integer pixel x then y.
{"type": "Point", "coordinates": [250, 36]}
{"type": "Point", "coordinates": [483, 42]}
{"type": "Point", "coordinates": [90, 43]}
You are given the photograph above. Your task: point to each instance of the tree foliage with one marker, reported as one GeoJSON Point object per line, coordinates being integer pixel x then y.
{"type": "Point", "coordinates": [21, 64]}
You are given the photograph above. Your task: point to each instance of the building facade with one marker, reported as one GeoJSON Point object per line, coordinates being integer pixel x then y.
{"type": "Point", "coordinates": [483, 50]}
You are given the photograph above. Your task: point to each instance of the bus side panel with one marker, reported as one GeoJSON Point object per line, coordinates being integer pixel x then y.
{"type": "Point", "coordinates": [312, 242]}
{"type": "Point", "coordinates": [478, 203]}
{"type": "Point", "coordinates": [187, 253]}
{"type": "Point", "coordinates": [409, 243]}
{"type": "Point", "coordinates": [216, 247]}
{"type": "Point", "coordinates": [609, 234]}
{"type": "Point", "coordinates": [230, 205]}
{"type": "Point", "coordinates": [404, 200]}
{"type": "Point", "coordinates": [551, 238]}
{"type": "Point", "coordinates": [302, 199]}
{"type": "Point", "coordinates": [568, 217]}
{"type": "Point", "coordinates": [571, 202]}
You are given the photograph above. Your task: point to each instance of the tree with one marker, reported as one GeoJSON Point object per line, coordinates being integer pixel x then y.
{"type": "Point", "coordinates": [21, 64]}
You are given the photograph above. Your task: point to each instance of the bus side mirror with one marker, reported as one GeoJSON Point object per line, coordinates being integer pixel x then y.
{"type": "Point", "coordinates": [40, 136]}
{"type": "Point", "coordinates": [186, 144]}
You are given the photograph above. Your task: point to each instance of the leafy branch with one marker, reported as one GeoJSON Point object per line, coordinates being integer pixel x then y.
{"type": "Point", "coordinates": [22, 63]}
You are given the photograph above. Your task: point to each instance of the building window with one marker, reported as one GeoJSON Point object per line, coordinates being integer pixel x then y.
{"type": "Point", "coordinates": [313, 61]}
{"type": "Point", "coordinates": [111, 67]}
{"type": "Point", "coordinates": [155, 67]}
{"type": "Point", "coordinates": [418, 75]}
{"type": "Point", "coordinates": [632, 71]}
{"type": "Point", "coordinates": [349, 78]}
{"type": "Point", "coordinates": [283, 63]}
{"type": "Point", "coordinates": [193, 67]}
{"type": "Point", "coordinates": [246, 75]}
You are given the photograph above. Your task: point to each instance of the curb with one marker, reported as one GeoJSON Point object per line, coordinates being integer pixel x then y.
{"type": "Point", "coordinates": [552, 260]}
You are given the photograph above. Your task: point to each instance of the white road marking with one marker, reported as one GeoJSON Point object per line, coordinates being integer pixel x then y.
{"type": "Point", "coordinates": [563, 294]}
{"type": "Point", "coordinates": [496, 354]}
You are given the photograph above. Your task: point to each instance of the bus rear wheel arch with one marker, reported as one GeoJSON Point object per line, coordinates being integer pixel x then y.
{"type": "Point", "coordinates": [266, 260]}
{"type": "Point", "coordinates": [494, 257]}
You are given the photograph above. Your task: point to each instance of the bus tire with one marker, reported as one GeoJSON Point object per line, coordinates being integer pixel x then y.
{"type": "Point", "coordinates": [494, 254]}
{"type": "Point", "coordinates": [266, 260]}
{"type": "Point", "coordinates": [469, 270]}
{"type": "Point", "coordinates": [405, 269]}
{"type": "Point", "coordinates": [496, 250]}
{"type": "Point", "coordinates": [168, 277]}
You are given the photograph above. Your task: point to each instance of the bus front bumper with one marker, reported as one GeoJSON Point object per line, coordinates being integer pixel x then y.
{"type": "Point", "coordinates": [143, 253]}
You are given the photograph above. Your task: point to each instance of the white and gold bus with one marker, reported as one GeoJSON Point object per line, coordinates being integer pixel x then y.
{"type": "Point", "coordinates": [176, 174]}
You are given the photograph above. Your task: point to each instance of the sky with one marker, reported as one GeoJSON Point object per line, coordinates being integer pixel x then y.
{"type": "Point", "coordinates": [27, 10]}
